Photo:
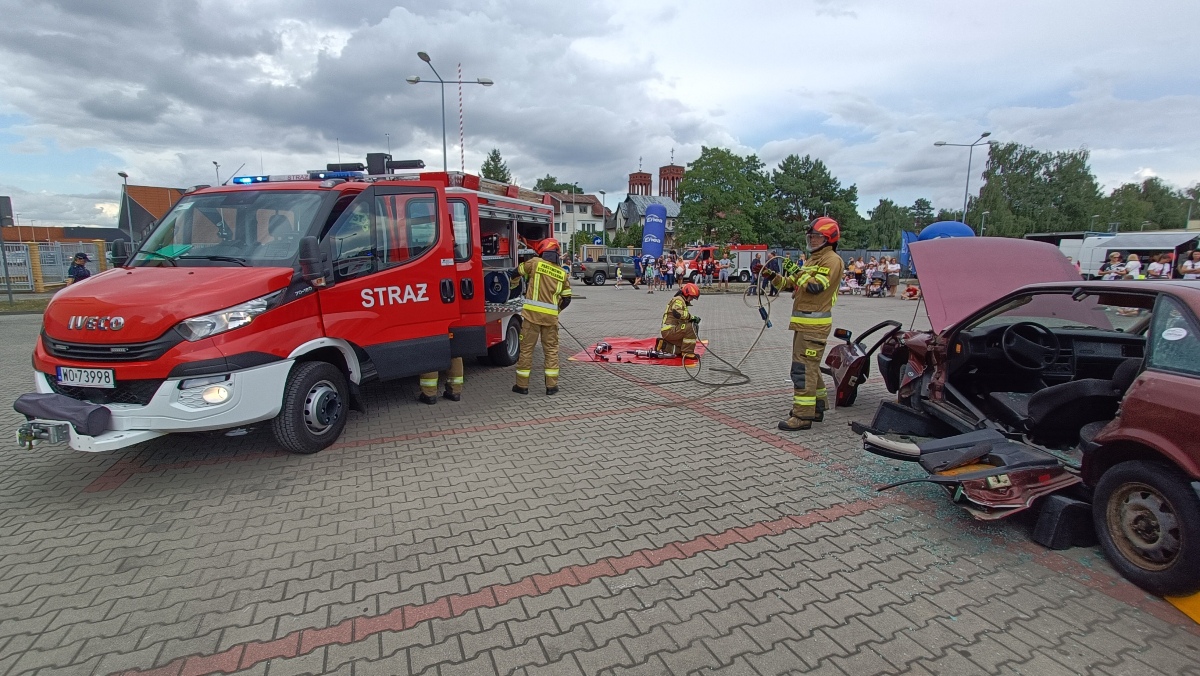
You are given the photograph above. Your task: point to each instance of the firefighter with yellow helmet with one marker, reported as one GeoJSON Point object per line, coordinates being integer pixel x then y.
{"type": "Point", "coordinates": [678, 330]}
{"type": "Point", "coordinates": [814, 293]}
{"type": "Point", "coordinates": [547, 292]}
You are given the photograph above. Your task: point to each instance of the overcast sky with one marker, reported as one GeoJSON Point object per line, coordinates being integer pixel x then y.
{"type": "Point", "coordinates": [583, 89]}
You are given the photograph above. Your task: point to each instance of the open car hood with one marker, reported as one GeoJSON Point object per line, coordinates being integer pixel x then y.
{"type": "Point", "coordinates": [961, 275]}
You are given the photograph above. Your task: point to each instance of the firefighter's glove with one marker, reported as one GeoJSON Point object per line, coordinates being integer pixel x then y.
{"type": "Point", "coordinates": [695, 319]}
{"type": "Point", "coordinates": [768, 274]}
{"type": "Point", "coordinates": [563, 303]}
{"type": "Point", "coordinates": [814, 287]}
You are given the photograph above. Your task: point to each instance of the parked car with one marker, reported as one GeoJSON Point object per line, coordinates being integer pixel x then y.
{"type": "Point", "coordinates": [603, 269]}
{"type": "Point", "coordinates": [1036, 389]}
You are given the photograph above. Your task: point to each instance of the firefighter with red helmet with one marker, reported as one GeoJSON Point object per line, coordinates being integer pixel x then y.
{"type": "Point", "coordinates": [678, 325]}
{"type": "Point", "coordinates": [814, 292]}
{"type": "Point", "coordinates": [547, 292]}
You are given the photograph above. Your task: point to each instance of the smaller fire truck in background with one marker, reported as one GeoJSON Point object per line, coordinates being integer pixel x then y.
{"type": "Point", "coordinates": [741, 255]}
{"type": "Point", "coordinates": [275, 298]}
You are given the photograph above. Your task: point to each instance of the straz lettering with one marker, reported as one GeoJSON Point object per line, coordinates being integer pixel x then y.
{"type": "Point", "coordinates": [80, 322]}
{"type": "Point", "coordinates": [394, 295]}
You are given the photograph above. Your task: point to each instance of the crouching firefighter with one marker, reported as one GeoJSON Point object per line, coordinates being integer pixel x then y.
{"type": "Point", "coordinates": [814, 292]}
{"type": "Point", "coordinates": [547, 292]}
{"type": "Point", "coordinates": [678, 325]}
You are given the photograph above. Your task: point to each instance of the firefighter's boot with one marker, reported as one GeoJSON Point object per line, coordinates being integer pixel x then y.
{"type": "Point", "coordinates": [426, 399]}
{"type": "Point", "coordinates": [454, 380]}
{"type": "Point", "coordinates": [794, 424]}
{"type": "Point", "coordinates": [520, 390]}
{"type": "Point", "coordinates": [551, 390]}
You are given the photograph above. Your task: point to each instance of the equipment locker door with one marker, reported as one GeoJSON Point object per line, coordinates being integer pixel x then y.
{"type": "Point", "coordinates": [395, 289]}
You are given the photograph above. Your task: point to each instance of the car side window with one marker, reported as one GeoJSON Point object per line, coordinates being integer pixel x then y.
{"type": "Point", "coordinates": [1174, 341]}
{"type": "Point", "coordinates": [353, 242]}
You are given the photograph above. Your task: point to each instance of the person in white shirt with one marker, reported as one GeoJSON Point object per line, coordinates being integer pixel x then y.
{"type": "Point", "coordinates": [1133, 267]}
{"type": "Point", "coordinates": [1190, 267]}
{"type": "Point", "coordinates": [1156, 269]}
{"type": "Point", "coordinates": [893, 276]}
{"type": "Point", "coordinates": [726, 268]}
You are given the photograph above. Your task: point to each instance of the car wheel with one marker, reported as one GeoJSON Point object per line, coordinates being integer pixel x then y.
{"type": "Point", "coordinates": [505, 352]}
{"type": "Point", "coordinates": [1147, 519]}
{"type": "Point", "coordinates": [598, 279]}
{"type": "Point", "coordinates": [744, 277]}
{"type": "Point", "coordinates": [315, 404]}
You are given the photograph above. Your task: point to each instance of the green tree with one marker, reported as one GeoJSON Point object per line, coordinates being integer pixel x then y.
{"type": "Point", "coordinates": [922, 213]}
{"type": "Point", "coordinates": [717, 198]}
{"type": "Point", "coordinates": [495, 168]}
{"type": "Point", "coordinates": [550, 183]}
{"type": "Point", "coordinates": [1152, 204]}
{"type": "Point", "coordinates": [1027, 190]}
{"type": "Point", "coordinates": [802, 186]}
{"type": "Point", "coordinates": [887, 219]}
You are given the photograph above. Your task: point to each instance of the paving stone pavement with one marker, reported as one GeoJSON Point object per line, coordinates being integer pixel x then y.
{"type": "Point", "coordinates": [620, 527]}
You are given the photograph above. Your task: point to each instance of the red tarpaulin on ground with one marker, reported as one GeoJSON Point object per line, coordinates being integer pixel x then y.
{"type": "Point", "coordinates": [623, 343]}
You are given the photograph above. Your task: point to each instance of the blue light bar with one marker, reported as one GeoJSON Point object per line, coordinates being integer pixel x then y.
{"type": "Point", "coordinates": [244, 180]}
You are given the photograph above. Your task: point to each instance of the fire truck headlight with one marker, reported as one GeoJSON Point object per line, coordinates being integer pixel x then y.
{"type": "Point", "coordinates": [215, 394]}
{"type": "Point", "coordinates": [228, 319]}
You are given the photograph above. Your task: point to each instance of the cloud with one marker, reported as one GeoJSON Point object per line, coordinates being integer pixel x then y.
{"type": "Point", "coordinates": [162, 88]}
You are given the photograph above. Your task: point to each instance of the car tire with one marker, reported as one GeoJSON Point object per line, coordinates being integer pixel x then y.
{"type": "Point", "coordinates": [587, 281]}
{"type": "Point", "coordinates": [316, 401]}
{"type": "Point", "coordinates": [505, 352]}
{"type": "Point", "coordinates": [1147, 519]}
{"type": "Point", "coordinates": [598, 279]}
{"type": "Point", "coordinates": [744, 277]}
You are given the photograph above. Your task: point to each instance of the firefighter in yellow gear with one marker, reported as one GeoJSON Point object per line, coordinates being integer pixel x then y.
{"type": "Point", "coordinates": [678, 330]}
{"type": "Point", "coordinates": [814, 292]}
{"type": "Point", "coordinates": [454, 383]}
{"type": "Point", "coordinates": [547, 292]}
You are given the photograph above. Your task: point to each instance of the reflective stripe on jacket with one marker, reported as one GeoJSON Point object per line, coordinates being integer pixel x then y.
{"type": "Point", "coordinates": [548, 284]}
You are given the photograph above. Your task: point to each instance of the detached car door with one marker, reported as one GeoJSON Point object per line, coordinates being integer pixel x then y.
{"type": "Point", "coordinates": [395, 287]}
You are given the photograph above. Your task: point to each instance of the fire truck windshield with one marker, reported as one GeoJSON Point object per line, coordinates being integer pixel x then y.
{"type": "Point", "coordinates": [244, 228]}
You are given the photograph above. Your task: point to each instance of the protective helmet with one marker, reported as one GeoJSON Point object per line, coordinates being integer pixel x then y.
{"type": "Point", "coordinates": [544, 245]}
{"type": "Point", "coordinates": [689, 291]}
{"type": "Point", "coordinates": [827, 227]}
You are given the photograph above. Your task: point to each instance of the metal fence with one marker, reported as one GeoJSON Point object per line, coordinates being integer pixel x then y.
{"type": "Point", "coordinates": [54, 259]}
{"type": "Point", "coordinates": [19, 273]}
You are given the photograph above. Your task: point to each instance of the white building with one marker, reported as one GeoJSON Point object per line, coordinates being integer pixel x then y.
{"type": "Point", "coordinates": [576, 213]}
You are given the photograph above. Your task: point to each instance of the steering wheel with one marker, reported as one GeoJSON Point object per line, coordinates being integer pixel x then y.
{"type": "Point", "coordinates": [1034, 351]}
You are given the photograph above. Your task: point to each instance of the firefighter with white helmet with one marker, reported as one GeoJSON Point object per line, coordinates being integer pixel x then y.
{"type": "Point", "coordinates": [814, 292]}
{"type": "Point", "coordinates": [547, 292]}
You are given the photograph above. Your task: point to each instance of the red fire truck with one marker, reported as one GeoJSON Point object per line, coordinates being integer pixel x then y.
{"type": "Point", "coordinates": [740, 256]}
{"type": "Point", "coordinates": [275, 298]}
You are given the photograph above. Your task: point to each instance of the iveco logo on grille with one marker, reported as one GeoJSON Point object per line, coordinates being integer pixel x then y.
{"type": "Point", "coordinates": [96, 323]}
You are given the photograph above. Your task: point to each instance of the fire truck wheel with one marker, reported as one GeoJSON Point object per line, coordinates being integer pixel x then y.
{"type": "Point", "coordinates": [744, 277]}
{"type": "Point", "coordinates": [315, 404]}
{"type": "Point", "coordinates": [505, 352]}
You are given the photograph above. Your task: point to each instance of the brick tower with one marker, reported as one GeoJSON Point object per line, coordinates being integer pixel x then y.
{"type": "Point", "coordinates": [639, 181]}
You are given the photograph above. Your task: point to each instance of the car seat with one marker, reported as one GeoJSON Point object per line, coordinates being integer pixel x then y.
{"type": "Point", "coordinates": [1057, 414]}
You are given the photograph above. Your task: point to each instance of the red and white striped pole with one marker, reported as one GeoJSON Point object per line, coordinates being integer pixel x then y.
{"type": "Point", "coordinates": [462, 149]}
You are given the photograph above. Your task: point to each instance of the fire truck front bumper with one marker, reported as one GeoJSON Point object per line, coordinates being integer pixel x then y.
{"type": "Point", "coordinates": [178, 405]}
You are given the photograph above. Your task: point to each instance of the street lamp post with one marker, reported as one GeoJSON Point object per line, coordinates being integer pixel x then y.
{"type": "Point", "coordinates": [603, 210]}
{"type": "Point", "coordinates": [486, 82]}
{"type": "Point", "coordinates": [217, 168]}
{"type": "Point", "coordinates": [970, 153]}
{"type": "Point", "coordinates": [125, 203]}
{"type": "Point", "coordinates": [826, 205]}
{"type": "Point", "coordinates": [1092, 220]}
{"type": "Point", "coordinates": [983, 224]}
{"type": "Point", "coordinates": [17, 217]}
{"type": "Point", "coordinates": [389, 143]}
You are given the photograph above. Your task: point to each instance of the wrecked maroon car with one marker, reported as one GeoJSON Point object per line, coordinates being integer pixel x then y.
{"type": "Point", "coordinates": [1034, 389]}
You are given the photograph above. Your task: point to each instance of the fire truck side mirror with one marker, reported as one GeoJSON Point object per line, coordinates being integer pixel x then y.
{"type": "Point", "coordinates": [120, 252]}
{"type": "Point", "coordinates": [310, 259]}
